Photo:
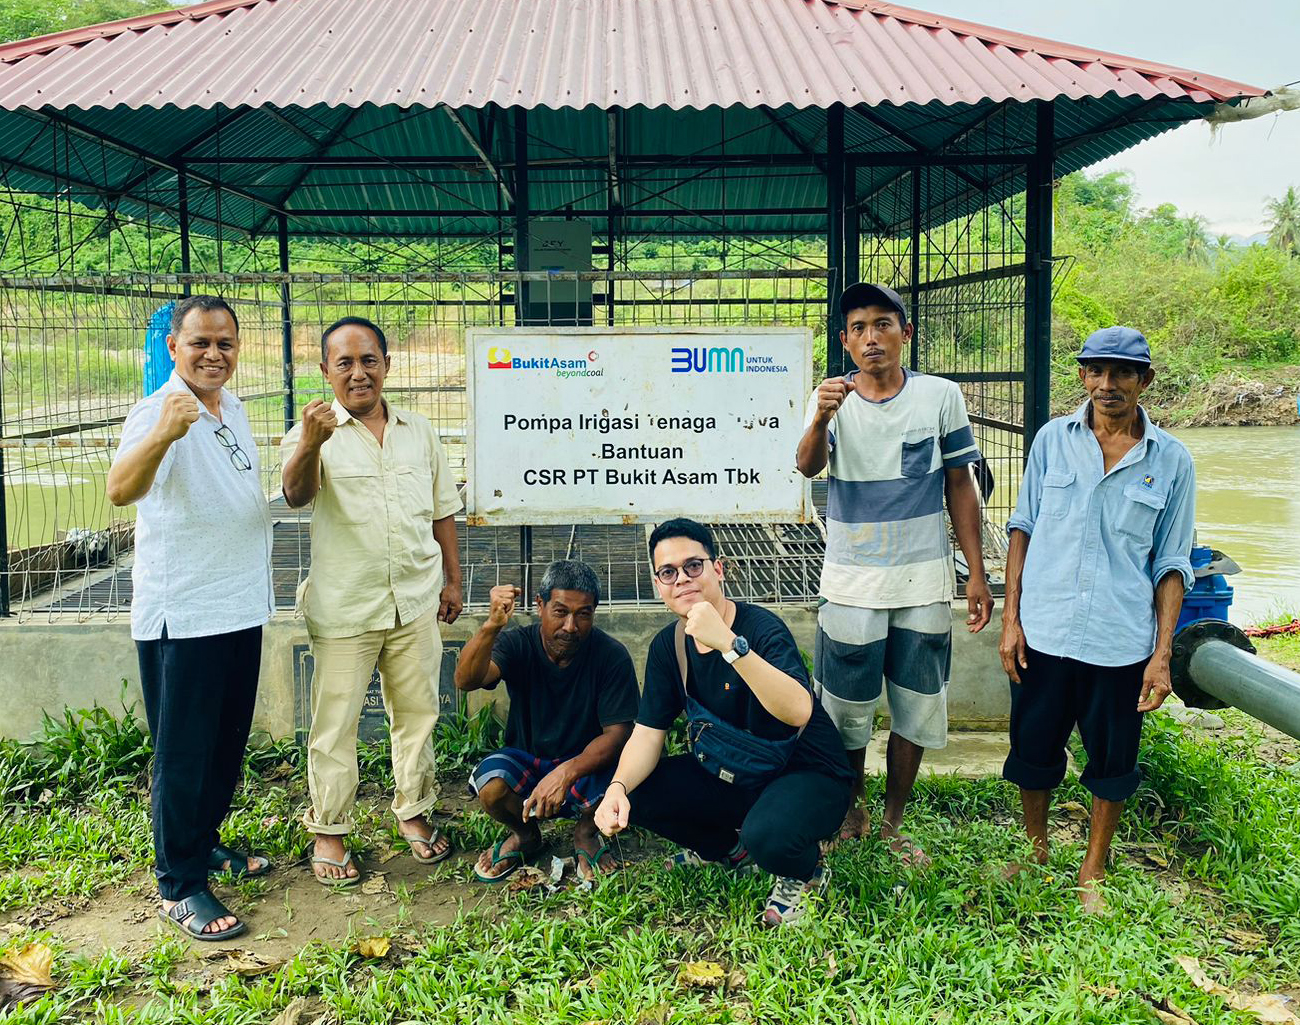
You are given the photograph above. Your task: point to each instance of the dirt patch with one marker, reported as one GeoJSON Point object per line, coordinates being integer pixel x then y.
{"type": "Point", "coordinates": [287, 909]}
{"type": "Point", "coordinates": [1234, 401]}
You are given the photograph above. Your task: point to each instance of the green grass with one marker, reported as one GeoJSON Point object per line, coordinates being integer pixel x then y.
{"type": "Point", "coordinates": [955, 944]}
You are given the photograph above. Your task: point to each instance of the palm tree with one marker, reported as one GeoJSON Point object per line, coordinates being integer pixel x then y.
{"type": "Point", "coordinates": [1193, 237]}
{"type": "Point", "coordinates": [1284, 229]}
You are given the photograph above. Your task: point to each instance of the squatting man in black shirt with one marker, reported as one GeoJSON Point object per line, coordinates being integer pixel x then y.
{"type": "Point", "coordinates": [573, 697]}
{"type": "Point", "coordinates": [766, 778]}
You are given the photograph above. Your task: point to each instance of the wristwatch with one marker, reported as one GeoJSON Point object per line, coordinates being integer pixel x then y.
{"type": "Point", "coordinates": [739, 649]}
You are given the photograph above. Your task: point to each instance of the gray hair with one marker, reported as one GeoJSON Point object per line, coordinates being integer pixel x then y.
{"type": "Point", "coordinates": [569, 575]}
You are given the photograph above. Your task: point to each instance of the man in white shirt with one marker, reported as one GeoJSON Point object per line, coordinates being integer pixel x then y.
{"type": "Point", "coordinates": [201, 595]}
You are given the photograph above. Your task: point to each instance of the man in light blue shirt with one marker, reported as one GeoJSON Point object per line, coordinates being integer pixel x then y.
{"type": "Point", "coordinates": [1100, 557]}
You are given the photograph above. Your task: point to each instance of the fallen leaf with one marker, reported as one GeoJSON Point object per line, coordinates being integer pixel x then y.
{"type": "Point", "coordinates": [291, 1014]}
{"type": "Point", "coordinates": [1271, 1008]}
{"type": "Point", "coordinates": [832, 966]}
{"type": "Point", "coordinates": [30, 966]}
{"type": "Point", "coordinates": [1155, 857]}
{"type": "Point", "coordinates": [526, 878]}
{"type": "Point", "coordinates": [1101, 991]}
{"type": "Point", "coordinates": [245, 962]}
{"type": "Point", "coordinates": [702, 974]}
{"type": "Point", "coordinates": [1244, 939]}
{"type": "Point", "coordinates": [388, 856]}
{"type": "Point", "coordinates": [657, 1015]}
{"type": "Point", "coordinates": [375, 883]}
{"type": "Point", "coordinates": [25, 974]}
{"type": "Point", "coordinates": [1074, 810]}
{"type": "Point", "coordinates": [1170, 1013]}
{"type": "Point", "coordinates": [736, 980]}
{"type": "Point", "coordinates": [373, 946]}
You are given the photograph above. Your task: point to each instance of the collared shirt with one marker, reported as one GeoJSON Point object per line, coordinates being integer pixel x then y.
{"type": "Point", "coordinates": [886, 541]}
{"type": "Point", "coordinates": [203, 531]}
{"type": "Point", "coordinates": [374, 560]}
{"type": "Point", "coordinates": [1100, 542]}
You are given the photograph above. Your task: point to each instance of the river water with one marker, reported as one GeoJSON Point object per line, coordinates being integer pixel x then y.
{"type": "Point", "coordinates": [1248, 507]}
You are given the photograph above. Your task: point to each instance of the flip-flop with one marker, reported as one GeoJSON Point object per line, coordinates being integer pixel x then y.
{"type": "Point", "coordinates": [412, 839]}
{"type": "Point", "coordinates": [909, 852]}
{"type": "Point", "coordinates": [593, 862]}
{"type": "Point", "coordinates": [343, 862]}
{"type": "Point", "coordinates": [195, 913]}
{"type": "Point", "coordinates": [222, 854]}
{"type": "Point", "coordinates": [517, 857]}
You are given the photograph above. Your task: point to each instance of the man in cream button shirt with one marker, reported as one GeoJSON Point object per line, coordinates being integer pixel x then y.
{"type": "Point", "coordinates": [385, 570]}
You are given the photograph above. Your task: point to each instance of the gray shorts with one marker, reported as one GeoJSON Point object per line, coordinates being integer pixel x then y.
{"type": "Point", "coordinates": [862, 651]}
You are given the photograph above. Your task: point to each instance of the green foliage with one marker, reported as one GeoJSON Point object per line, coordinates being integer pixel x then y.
{"type": "Point", "coordinates": [955, 943]}
{"type": "Point", "coordinates": [1200, 305]}
{"type": "Point", "coordinates": [22, 19]}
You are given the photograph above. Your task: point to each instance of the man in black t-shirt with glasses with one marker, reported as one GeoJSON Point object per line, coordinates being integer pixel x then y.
{"type": "Point", "coordinates": [573, 697]}
{"type": "Point", "coordinates": [766, 778]}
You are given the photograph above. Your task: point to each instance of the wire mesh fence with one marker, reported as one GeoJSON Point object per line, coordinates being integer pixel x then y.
{"type": "Point", "coordinates": [74, 365]}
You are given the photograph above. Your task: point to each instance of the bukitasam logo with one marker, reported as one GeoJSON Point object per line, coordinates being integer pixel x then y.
{"type": "Point", "coordinates": [499, 358]}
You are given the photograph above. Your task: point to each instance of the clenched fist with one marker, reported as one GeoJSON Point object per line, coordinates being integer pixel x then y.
{"type": "Point", "coordinates": [318, 423]}
{"type": "Point", "coordinates": [705, 625]}
{"type": "Point", "coordinates": [501, 604]}
{"type": "Point", "coordinates": [831, 394]}
{"type": "Point", "coordinates": [179, 410]}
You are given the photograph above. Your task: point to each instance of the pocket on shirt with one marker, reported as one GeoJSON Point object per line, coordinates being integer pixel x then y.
{"type": "Point", "coordinates": [918, 452]}
{"type": "Point", "coordinates": [1138, 511]}
{"type": "Point", "coordinates": [417, 491]}
{"type": "Point", "coordinates": [1058, 492]}
{"type": "Point", "coordinates": [354, 492]}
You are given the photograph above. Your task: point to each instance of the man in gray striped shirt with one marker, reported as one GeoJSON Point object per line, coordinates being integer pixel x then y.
{"type": "Point", "coordinates": [896, 444]}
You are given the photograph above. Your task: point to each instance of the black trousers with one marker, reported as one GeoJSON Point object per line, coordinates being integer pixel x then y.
{"type": "Point", "coordinates": [1056, 694]}
{"type": "Point", "coordinates": [198, 696]}
{"type": "Point", "coordinates": [780, 825]}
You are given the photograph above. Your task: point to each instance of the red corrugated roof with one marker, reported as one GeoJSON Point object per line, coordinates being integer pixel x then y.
{"type": "Point", "coordinates": [566, 53]}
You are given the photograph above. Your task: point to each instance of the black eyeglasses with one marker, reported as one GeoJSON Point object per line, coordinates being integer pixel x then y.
{"type": "Point", "coordinates": [231, 444]}
{"type": "Point", "coordinates": [668, 574]}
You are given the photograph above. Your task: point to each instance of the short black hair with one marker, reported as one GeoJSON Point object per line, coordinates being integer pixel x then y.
{"type": "Point", "coordinates": [569, 575]}
{"type": "Point", "coordinates": [682, 527]}
{"type": "Point", "coordinates": [182, 308]}
{"type": "Point", "coordinates": [344, 322]}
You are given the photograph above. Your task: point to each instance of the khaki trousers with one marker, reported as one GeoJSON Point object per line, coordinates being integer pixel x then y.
{"type": "Point", "coordinates": [409, 656]}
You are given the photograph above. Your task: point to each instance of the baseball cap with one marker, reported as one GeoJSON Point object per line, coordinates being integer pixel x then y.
{"type": "Point", "coordinates": [855, 297]}
{"type": "Point", "coordinates": [1122, 343]}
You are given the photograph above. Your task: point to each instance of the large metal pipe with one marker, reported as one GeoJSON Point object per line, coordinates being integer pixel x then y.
{"type": "Point", "coordinates": [1215, 666]}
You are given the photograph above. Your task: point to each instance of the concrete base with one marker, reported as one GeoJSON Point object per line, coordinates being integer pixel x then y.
{"type": "Point", "coordinates": [47, 667]}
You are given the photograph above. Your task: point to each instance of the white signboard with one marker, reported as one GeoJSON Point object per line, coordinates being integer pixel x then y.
{"type": "Point", "coordinates": [636, 425]}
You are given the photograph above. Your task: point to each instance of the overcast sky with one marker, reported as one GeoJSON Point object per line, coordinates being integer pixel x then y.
{"type": "Point", "coordinates": [1227, 179]}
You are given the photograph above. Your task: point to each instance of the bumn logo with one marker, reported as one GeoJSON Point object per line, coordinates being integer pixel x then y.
{"type": "Point", "coordinates": [498, 359]}
{"type": "Point", "coordinates": [717, 360]}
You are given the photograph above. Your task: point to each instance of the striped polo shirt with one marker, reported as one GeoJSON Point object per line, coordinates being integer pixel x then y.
{"type": "Point", "coordinates": [886, 541]}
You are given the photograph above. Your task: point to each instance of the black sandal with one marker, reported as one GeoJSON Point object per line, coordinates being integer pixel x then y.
{"type": "Point", "coordinates": [195, 913]}
{"type": "Point", "coordinates": [238, 863]}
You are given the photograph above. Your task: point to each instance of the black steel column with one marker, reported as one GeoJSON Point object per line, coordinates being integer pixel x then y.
{"type": "Point", "coordinates": [183, 208]}
{"type": "Point", "coordinates": [286, 320]}
{"type": "Point", "coordinates": [1038, 273]}
{"type": "Point", "coordinates": [521, 211]}
{"type": "Point", "coordinates": [914, 359]}
{"type": "Point", "coordinates": [521, 302]}
{"type": "Point", "coordinates": [835, 218]}
{"type": "Point", "coordinates": [4, 541]}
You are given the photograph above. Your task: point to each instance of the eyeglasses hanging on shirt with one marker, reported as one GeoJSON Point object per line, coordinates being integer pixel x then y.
{"type": "Point", "coordinates": [229, 442]}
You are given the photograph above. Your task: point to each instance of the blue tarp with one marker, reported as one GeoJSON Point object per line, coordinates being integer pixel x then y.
{"type": "Point", "coordinates": [158, 363]}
